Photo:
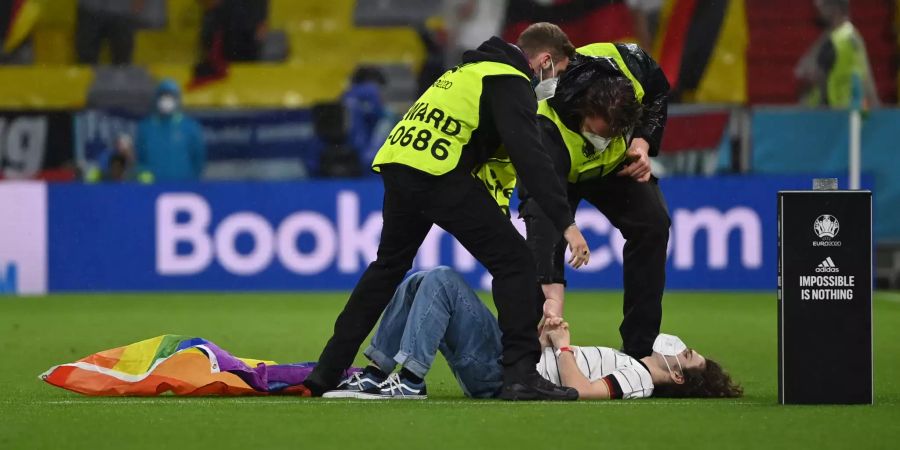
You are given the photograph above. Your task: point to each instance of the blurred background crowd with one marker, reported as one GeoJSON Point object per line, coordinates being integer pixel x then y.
{"type": "Point", "coordinates": [291, 89]}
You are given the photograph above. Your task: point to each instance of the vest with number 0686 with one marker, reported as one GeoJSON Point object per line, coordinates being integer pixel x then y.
{"type": "Point", "coordinates": [432, 134]}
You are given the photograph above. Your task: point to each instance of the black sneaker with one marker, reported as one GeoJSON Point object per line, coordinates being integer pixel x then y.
{"type": "Point", "coordinates": [356, 384]}
{"type": "Point", "coordinates": [396, 388]}
{"type": "Point", "coordinates": [536, 387]}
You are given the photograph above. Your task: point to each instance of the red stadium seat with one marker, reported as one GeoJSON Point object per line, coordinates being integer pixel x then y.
{"type": "Point", "coordinates": [781, 31]}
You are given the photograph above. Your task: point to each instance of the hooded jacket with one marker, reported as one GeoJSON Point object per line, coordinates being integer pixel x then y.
{"type": "Point", "coordinates": [581, 73]}
{"type": "Point", "coordinates": [170, 146]}
{"type": "Point", "coordinates": [508, 116]}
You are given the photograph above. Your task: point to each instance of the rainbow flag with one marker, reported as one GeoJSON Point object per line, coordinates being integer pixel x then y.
{"type": "Point", "coordinates": [180, 365]}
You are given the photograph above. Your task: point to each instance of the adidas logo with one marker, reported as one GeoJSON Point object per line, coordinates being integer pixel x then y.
{"type": "Point", "coordinates": [827, 266]}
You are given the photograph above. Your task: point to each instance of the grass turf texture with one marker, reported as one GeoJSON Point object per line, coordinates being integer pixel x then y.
{"type": "Point", "coordinates": [738, 329]}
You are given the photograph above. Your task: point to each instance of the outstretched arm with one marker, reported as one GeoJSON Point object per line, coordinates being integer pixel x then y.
{"type": "Point", "coordinates": [555, 299]}
{"type": "Point", "coordinates": [547, 247]}
{"type": "Point", "coordinates": [514, 111]}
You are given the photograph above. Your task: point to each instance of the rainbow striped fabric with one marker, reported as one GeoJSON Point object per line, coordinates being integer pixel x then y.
{"type": "Point", "coordinates": [179, 365]}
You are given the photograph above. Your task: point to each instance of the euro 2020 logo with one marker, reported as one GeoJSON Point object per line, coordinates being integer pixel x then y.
{"type": "Point", "coordinates": [826, 227]}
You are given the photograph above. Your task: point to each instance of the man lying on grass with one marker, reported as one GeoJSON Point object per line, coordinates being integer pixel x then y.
{"type": "Point", "coordinates": [436, 310]}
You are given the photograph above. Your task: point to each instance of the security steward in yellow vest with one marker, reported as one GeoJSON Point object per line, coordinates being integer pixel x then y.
{"type": "Point", "coordinates": [837, 66]}
{"type": "Point", "coordinates": [612, 172]}
{"type": "Point", "coordinates": [426, 165]}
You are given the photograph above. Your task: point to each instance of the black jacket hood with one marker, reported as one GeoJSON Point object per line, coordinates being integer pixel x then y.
{"type": "Point", "coordinates": [498, 50]}
{"type": "Point", "coordinates": [582, 72]}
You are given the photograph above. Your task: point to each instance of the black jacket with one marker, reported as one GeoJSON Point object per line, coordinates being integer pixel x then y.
{"type": "Point", "coordinates": [574, 82]}
{"type": "Point", "coordinates": [578, 77]}
{"type": "Point", "coordinates": [508, 116]}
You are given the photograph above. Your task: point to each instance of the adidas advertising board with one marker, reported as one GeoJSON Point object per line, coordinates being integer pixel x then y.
{"type": "Point", "coordinates": [825, 296]}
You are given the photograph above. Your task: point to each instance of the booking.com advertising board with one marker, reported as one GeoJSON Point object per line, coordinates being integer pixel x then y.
{"type": "Point", "coordinates": [321, 235]}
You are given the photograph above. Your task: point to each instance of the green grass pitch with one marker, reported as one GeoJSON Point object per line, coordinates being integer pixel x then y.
{"type": "Point", "coordinates": [738, 329]}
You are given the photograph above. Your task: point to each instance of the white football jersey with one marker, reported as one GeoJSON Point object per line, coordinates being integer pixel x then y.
{"type": "Point", "coordinates": [624, 373]}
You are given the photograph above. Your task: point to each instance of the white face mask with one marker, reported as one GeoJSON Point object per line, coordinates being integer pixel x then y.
{"type": "Point", "coordinates": [667, 346]}
{"type": "Point", "coordinates": [547, 88]}
{"type": "Point", "coordinates": [166, 104]}
{"type": "Point", "coordinates": [600, 143]}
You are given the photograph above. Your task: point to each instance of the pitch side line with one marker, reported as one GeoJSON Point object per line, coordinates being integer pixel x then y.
{"type": "Point", "coordinates": [225, 401]}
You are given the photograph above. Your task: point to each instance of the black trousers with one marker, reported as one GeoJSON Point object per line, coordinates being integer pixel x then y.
{"type": "Point", "coordinates": [639, 211]}
{"type": "Point", "coordinates": [94, 27]}
{"type": "Point", "coordinates": [465, 210]}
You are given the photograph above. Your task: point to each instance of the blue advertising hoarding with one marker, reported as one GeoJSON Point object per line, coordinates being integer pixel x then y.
{"type": "Point", "coordinates": [789, 141]}
{"type": "Point", "coordinates": [321, 235]}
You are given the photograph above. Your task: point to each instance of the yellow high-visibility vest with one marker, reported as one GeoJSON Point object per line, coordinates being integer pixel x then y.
{"type": "Point", "coordinates": [432, 134]}
{"type": "Point", "coordinates": [586, 162]}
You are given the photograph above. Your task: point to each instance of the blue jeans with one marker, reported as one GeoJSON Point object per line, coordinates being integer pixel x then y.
{"type": "Point", "coordinates": [436, 310]}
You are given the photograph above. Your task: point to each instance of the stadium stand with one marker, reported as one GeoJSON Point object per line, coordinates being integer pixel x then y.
{"type": "Point", "coordinates": [122, 88]}
{"type": "Point", "coordinates": [781, 31]}
{"type": "Point", "coordinates": [394, 12]}
{"type": "Point", "coordinates": [301, 30]}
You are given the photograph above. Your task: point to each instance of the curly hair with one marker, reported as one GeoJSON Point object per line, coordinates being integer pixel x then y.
{"type": "Point", "coordinates": [613, 99]}
{"type": "Point", "coordinates": [713, 382]}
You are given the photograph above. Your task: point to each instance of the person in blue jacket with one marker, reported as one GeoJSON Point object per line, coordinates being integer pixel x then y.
{"type": "Point", "coordinates": [369, 120]}
{"type": "Point", "coordinates": [170, 144]}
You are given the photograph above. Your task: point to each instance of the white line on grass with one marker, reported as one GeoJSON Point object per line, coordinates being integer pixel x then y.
{"type": "Point", "coordinates": [889, 296]}
{"type": "Point", "coordinates": [224, 401]}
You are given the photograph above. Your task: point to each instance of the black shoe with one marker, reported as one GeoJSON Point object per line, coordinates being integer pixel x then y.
{"type": "Point", "coordinates": [536, 387]}
{"type": "Point", "coordinates": [322, 380]}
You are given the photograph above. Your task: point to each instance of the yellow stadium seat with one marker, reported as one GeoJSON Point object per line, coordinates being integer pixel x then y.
{"type": "Point", "coordinates": [166, 46]}
{"type": "Point", "coordinates": [262, 85]}
{"type": "Point", "coordinates": [54, 46]}
{"type": "Point", "coordinates": [180, 73]}
{"type": "Point", "coordinates": [360, 45]}
{"type": "Point", "coordinates": [58, 14]}
{"type": "Point", "coordinates": [326, 15]}
{"type": "Point", "coordinates": [44, 87]}
{"type": "Point", "coordinates": [325, 47]}
{"type": "Point", "coordinates": [183, 15]}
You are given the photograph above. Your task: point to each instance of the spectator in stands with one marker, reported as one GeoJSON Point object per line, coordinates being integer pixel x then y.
{"type": "Point", "coordinates": [646, 20]}
{"type": "Point", "coordinates": [246, 27]}
{"type": "Point", "coordinates": [835, 70]}
{"type": "Point", "coordinates": [471, 22]}
{"type": "Point", "coordinates": [232, 31]}
{"type": "Point", "coordinates": [170, 144]}
{"type": "Point", "coordinates": [365, 111]}
{"type": "Point", "coordinates": [17, 22]}
{"type": "Point", "coordinates": [433, 34]}
{"type": "Point", "coordinates": [115, 164]}
{"type": "Point", "coordinates": [113, 21]}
